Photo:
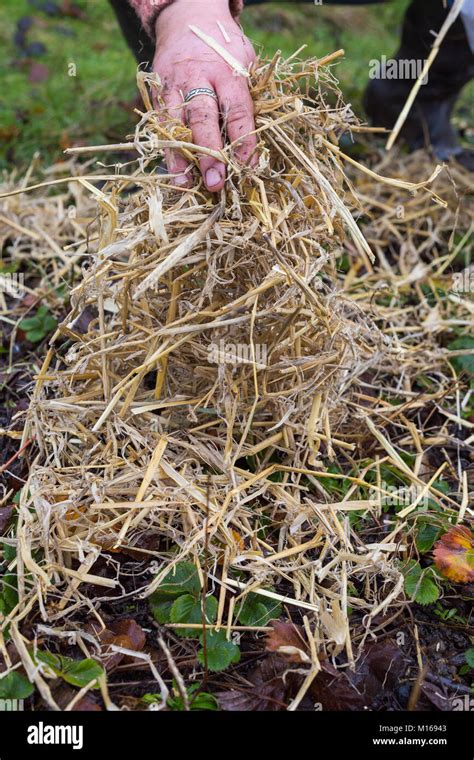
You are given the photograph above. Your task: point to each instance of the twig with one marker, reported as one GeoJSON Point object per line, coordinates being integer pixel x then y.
{"type": "Point", "coordinates": [448, 22]}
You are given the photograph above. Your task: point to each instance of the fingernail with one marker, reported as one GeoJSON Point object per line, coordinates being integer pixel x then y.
{"type": "Point", "coordinates": [181, 180]}
{"type": "Point", "coordinates": [213, 177]}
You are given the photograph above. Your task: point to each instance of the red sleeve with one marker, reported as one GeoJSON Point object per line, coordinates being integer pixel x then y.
{"type": "Point", "coordinates": [148, 11]}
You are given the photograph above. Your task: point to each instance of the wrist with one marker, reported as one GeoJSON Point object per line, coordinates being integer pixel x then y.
{"type": "Point", "coordinates": [190, 9]}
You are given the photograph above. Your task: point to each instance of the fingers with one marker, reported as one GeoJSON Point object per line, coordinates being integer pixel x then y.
{"type": "Point", "coordinates": [202, 117]}
{"type": "Point", "coordinates": [238, 114]}
{"type": "Point", "coordinates": [175, 161]}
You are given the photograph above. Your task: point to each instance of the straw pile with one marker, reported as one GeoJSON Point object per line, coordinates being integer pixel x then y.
{"type": "Point", "coordinates": [226, 365]}
{"type": "Point", "coordinates": [46, 231]}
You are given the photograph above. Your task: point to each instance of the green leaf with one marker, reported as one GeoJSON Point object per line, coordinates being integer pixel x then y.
{"type": "Point", "coordinates": [9, 551]}
{"type": "Point", "coordinates": [15, 686]}
{"type": "Point", "coordinates": [188, 609]}
{"type": "Point", "coordinates": [334, 485]}
{"type": "Point", "coordinates": [42, 312]}
{"type": "Point", "coordinates": [61, 291]}
{"type": "Point", "coordinates": [50, 323]}
{"type": "Point", "coordinates": [35, 336]}
{"type": "Point", "coordinates": [204, 701]}
{"type": "Point", "coordinates": [469, 657]}
{"type": "Point", "coordinates": [150, 699]}
{"type": "Point", "coordinates": [9, 268]}
{"type": "Point", "coordinates": [419, 584]}
{"type": "Point", "coordinates": [426, 537]}
{"type": "Point", "coordinates": [182, 579]}
{"type": "Point", "coordinates": [257, 610]}
{"type": "Point", "coordinates": [53, 661]}
{"type": "Point", "coordinates": [201, 701]}
{"type": "Point", "coordinates": [75, 672]}
{"type": "Point", "coordinates": [441, 485]}
{"type": "Point", "coordinates": [161, 608]}
{"type": "Point", "coordinates": [461, 363]}
{"type": "Point", "coordinates": [425, 381]}
{"type": "Point", "coordinates": [82, 672]}
{"type": "Point", "coordinates": [30, 323]}
{"type": "Point", "coordinates": [9, 593]}
{"type": "Point", "coordinates": [39, 325]}
{"type": "Point", "coordinates": [220, 652]}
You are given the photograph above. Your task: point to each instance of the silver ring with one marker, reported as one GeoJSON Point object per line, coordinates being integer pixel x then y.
{"type": "Point", "coordinates": [199, 91]}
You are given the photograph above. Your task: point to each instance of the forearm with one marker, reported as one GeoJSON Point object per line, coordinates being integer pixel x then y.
{"type": "Point", "coordinates": [149, 10]}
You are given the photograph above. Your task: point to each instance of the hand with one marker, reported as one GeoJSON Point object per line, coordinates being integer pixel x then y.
{"type": "Point", "coordinates": [184, 62]}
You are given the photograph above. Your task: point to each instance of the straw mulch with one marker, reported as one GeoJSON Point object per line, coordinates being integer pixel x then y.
{"type": "Point", "coordinates": [228, 364]}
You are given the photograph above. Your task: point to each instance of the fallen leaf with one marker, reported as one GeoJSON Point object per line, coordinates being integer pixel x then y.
{"type": "Point", "coordinates": [434, 696]}
{"type": "Point", "coordinates": [379, 671]}
{"type": "Point", "coordinates": [129, 629]}
{"type": "Point", "coordinates": [87, 704]}
{"type": "Point", "coordinates": [287, 639]}
{"type": "Point", "coordinates": [64, 694]}
{"type": "Point", "coordinates": [267, 691]}
{"type": "Point", "coordinates": [454, 554]}
{"type": "Point", "coordinates": [125, 633]}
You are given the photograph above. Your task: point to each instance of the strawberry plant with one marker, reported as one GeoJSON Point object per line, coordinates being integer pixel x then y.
{"type": "Point", "coordinates": [219, 652]}
{"type": "Point", "coordinates": [197, 700]}
{"type": "Point", "coordinates": [38, 327]}
{"type": "Point", "coordinates": [256, 609]}
{"type": "Point", "coordinates": [178, 599]}
{"type": "Point", "coordinates": [420, 583]}
{"type": "Point", "coordinates": [15, 686]}
{"type": "Point", "coordinates": [75, 672]}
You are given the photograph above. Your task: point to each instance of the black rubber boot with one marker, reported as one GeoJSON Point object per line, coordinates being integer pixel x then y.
{"type": "Point", "coordinates": [428, 123]}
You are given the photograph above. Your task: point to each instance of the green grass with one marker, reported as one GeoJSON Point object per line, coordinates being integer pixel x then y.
{"type": "Point", "coordinates": [364, 32]}
{"type": "Point", "coordinates": [95, 105]}
{"type": "Point", "coordinates": [47, 116]}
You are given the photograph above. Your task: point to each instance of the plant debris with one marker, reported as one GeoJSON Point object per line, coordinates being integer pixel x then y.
{"type": "Point", "coordinates": [242, 385]}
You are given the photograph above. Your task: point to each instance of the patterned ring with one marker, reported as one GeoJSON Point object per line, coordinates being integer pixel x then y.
{"type": "Point", "coordinates": [199, 91]}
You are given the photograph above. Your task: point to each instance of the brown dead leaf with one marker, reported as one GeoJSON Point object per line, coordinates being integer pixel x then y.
{"type": "Point", "coordinates": [431, 694]}
{"type": "Point", "coordinates": [287, 639]}
{"type": "Point", "coordinates": [64, 694]}
{"type": "Point", "coordinates": [379, 670]}
{"type": "Point", "coordinates": [265, 690]}
{"type": "Point", "coordinates": [130, 630]}
{"type": "Point", "coordinates": [125, 633]}
{"type": "Point", "coordinates": [87, 704]}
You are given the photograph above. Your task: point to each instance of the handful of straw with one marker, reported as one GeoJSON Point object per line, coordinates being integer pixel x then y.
{"type": "Point", "coordinates": [214, 384]}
